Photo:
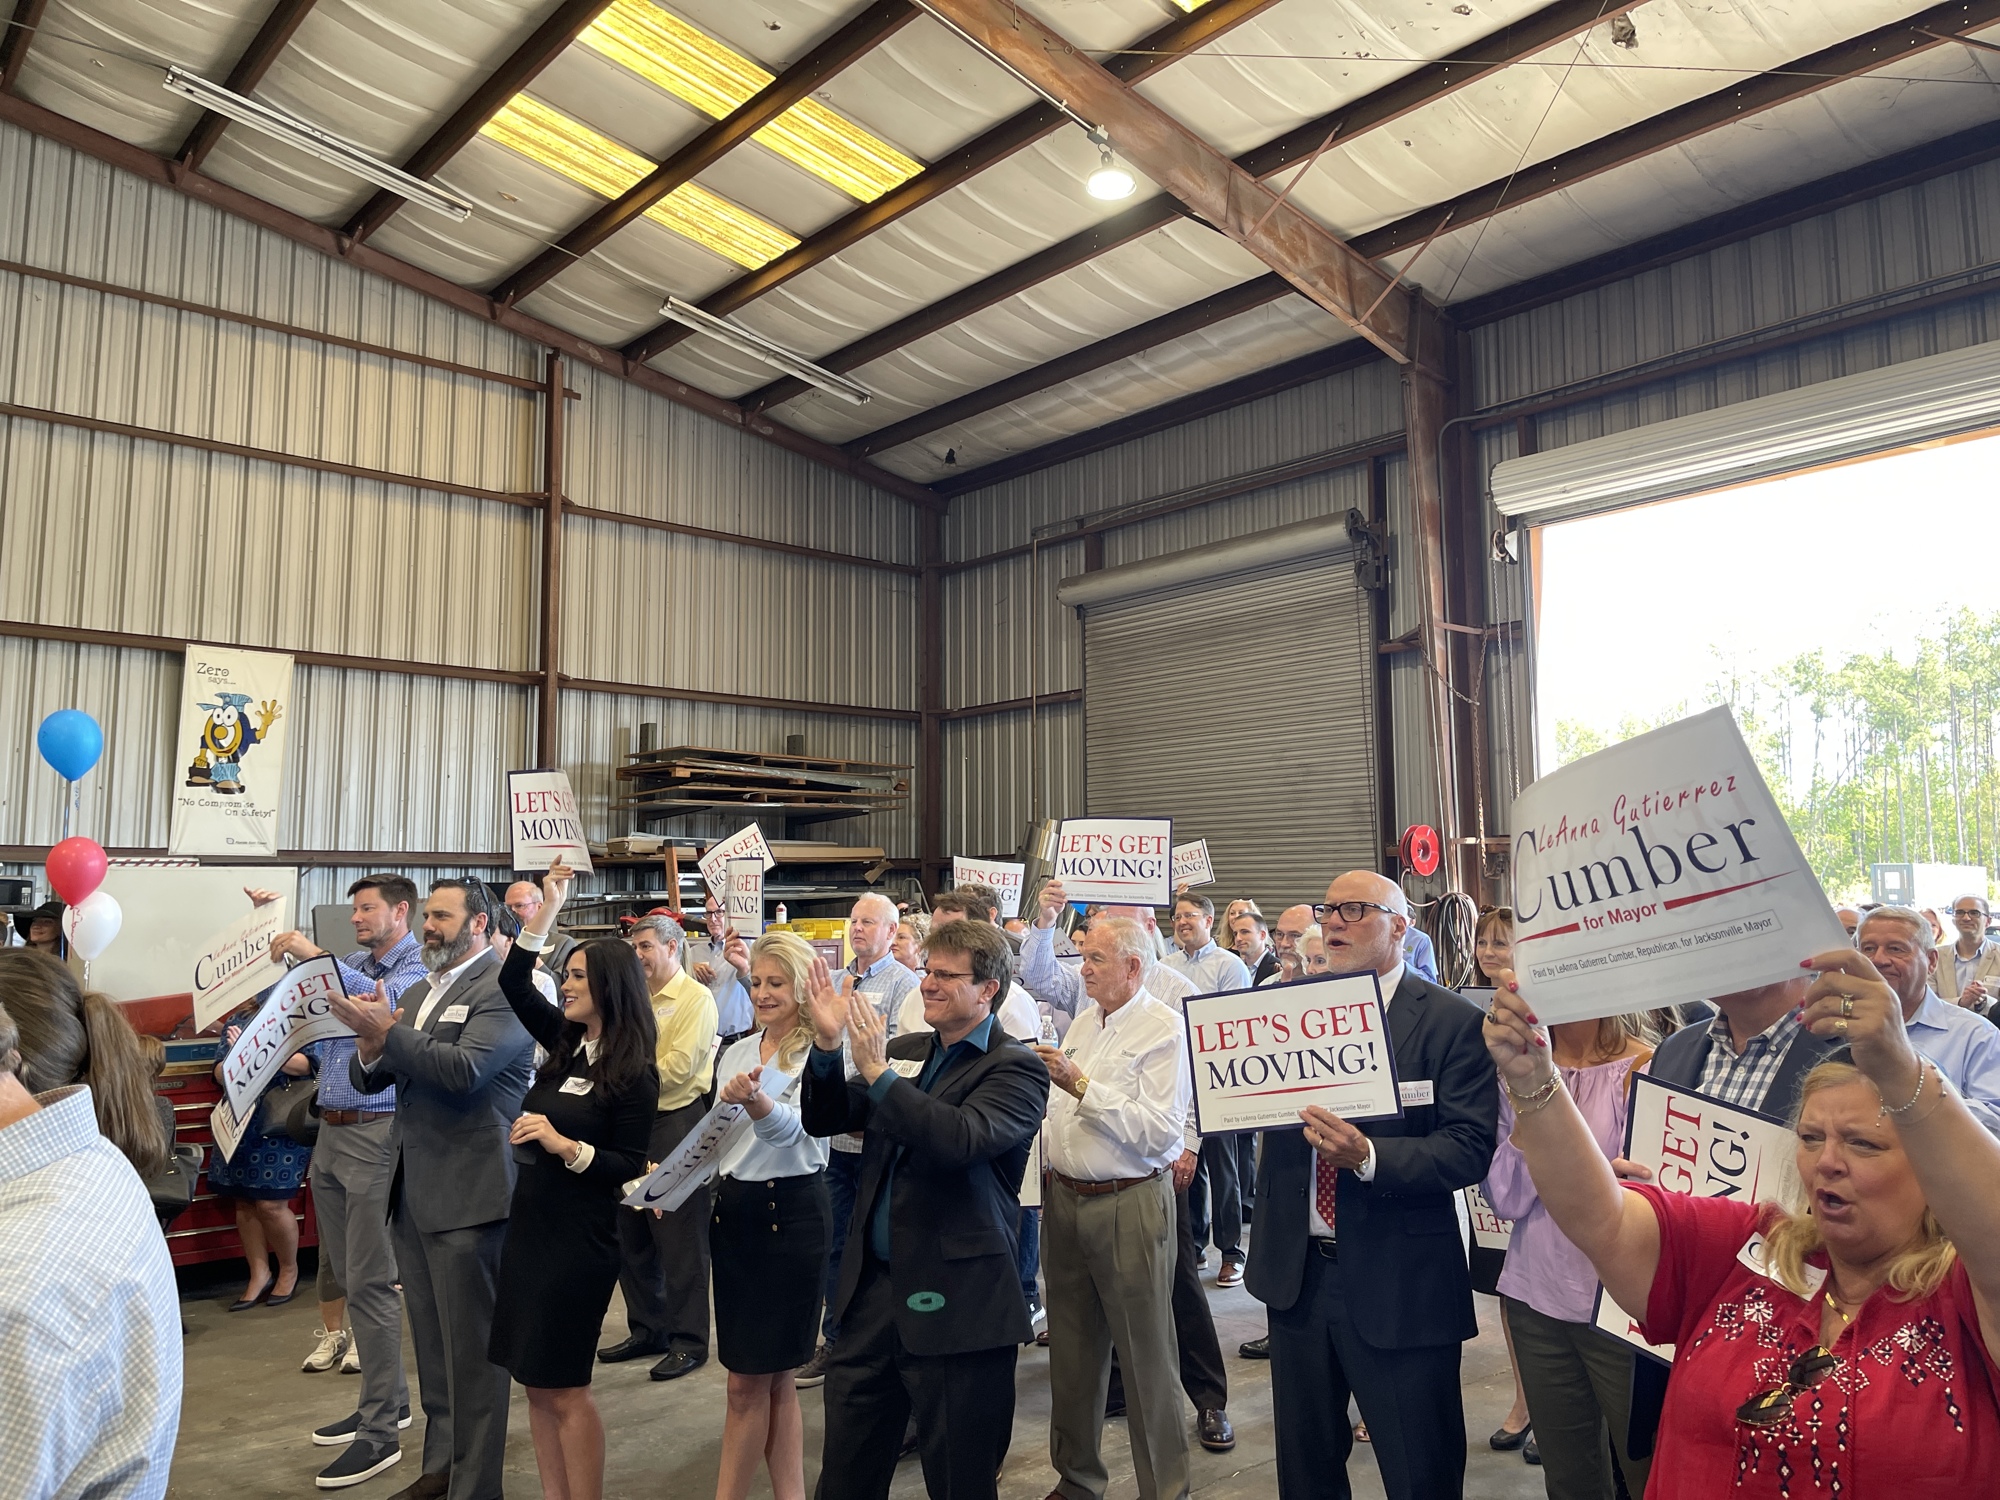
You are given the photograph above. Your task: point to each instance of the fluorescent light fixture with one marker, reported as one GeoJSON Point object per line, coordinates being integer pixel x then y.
{"type": "Point", "coordinates": [285, 126]}
{"type": "Point", "coordinates": [692, 66]}
{"type": "Point", "coordinates": [593, 160]}
{"type": "Point", "coordinates": [1110, 181]}
{"type": "Point", "coordinates": [758, 347]}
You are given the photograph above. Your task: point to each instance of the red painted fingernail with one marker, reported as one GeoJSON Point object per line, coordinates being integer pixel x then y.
{"type": "Point", "coordinates": [1805, 963]}
{"type": "Point", "coordinates": [1541, 1041]}
{"type": "Point", "coordinates": [1534, 1020]}
{"type": "Point", "coordinates": [1513, 987]}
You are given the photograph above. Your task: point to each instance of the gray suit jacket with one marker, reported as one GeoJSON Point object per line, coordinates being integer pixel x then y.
{"type": "Point", "coordinates": [459, 1084]}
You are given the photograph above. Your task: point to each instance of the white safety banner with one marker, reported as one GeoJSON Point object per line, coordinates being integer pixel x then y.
{"type": "Point", "coordinates": [1657, 872]}
{"type": "Point", "coordinates": [229, 754]}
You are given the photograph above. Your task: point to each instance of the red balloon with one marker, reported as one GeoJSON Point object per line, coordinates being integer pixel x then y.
{"type": "Point", "coordinates": [76, 868]}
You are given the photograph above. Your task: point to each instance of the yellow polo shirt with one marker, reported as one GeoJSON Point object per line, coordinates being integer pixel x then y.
{"type": "Point", "coordinates": [684, 1014]}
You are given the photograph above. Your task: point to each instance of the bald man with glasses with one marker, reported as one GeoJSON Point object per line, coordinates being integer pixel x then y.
{"type": "Point", "coordinates": [1356, 1255]}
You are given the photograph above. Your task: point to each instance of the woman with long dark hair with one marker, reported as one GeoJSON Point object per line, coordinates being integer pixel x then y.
{"type": "Point", "coordinates": [581, 1135]}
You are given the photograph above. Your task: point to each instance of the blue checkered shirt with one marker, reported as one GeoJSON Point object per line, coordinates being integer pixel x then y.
{"type": "Point", "coordinates": [90, 1360]}
{"type": "Point", "coordinates": [1743, 1079]}
{"type": "Point", "coordinates": [398, 969]}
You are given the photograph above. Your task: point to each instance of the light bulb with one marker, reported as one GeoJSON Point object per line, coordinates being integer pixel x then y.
{"type": "Point", "coordinates": [1110, 181]}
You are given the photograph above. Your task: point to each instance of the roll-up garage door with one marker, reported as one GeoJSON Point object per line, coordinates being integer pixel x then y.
{"type": "Point", "coordinates": [1244, 709]}
{"type": "Point", "coordinates": [1833, 421]}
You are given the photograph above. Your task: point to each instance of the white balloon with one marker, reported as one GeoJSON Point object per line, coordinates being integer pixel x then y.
{"type": "Point", "coordinates": [92, 924]}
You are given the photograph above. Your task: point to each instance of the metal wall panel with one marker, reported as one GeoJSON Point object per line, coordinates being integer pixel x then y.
{"type": "Point", "coordinates": [1351, 407]}
{"type": "Point", "coordinates": [598, 730]}
{"type": "Point", "coordinates": [1003, 771]}
{"type": "Point", "coordinates": [1005, 634]}
{"type": "Point", "coordinates": [633, 452]}
{"type": "Point", "coordinates": [1285, 795]}
{"type": "Point", "coordinates": [652, 608]}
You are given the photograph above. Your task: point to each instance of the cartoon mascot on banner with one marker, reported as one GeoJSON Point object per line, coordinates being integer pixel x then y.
{"type": "Point", "coordinates": [225, 735]}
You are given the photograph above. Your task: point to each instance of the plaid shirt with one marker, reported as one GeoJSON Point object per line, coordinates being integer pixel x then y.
{"type": "Point", "coordinates": [90, 1360]}
{"type": "Point", "coordinates": [1744, 1080]}
{"type": "Point", "coordinates": [398, 969]}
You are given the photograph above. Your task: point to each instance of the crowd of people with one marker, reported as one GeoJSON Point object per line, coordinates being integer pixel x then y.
{"type": "Point", "coordinates": [864, 1229]}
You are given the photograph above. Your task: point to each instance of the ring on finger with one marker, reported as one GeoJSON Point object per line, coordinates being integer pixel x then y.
{"type": "Point", "coordinates": [1840, 1025]}
{"type": "Point", "coordinates": [1847, 1005]}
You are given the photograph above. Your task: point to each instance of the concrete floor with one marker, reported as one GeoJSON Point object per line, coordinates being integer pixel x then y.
{"type": "Point", "coordinates": [248, 1412]}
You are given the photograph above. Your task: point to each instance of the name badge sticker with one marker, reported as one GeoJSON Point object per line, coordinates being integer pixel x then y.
{"type": "Point", "coordinates": [453, 1013]}
{"type": "Point", "coordinates": [574, 1086]}
{"type": "Point", "coordinates": [907, 1067]}
{"type": "Point", "coordinates": [1417, 1091]}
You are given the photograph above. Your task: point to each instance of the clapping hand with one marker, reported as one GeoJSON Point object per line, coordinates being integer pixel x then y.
{"type": "Point", "coordinates": [867, 1036]}
{"type": "Point", "coordinates": [369, 1020]}
{"type": "Point", "coordinates": [826, 1005]}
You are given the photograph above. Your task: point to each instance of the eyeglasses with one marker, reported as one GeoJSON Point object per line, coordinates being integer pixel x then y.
{"type": "Point", "coordinates": [931, 973]}
{"type": "Point", "coordinates": [1350, 911]}
{"type": "Point", "coordinates": [1968, 911]}
{"type": "Point", "coordinates": [1769, 1408]}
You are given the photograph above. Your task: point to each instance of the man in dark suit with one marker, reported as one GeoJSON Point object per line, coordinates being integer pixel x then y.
{"type": "Point", "coordinates": [1357, 1253]}
{"type": "Point", "coordinates": [930, 1307]}
{"type": "Point", "coordinates": [461, 1064]}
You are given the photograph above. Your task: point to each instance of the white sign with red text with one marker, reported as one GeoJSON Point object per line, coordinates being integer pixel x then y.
{"type": "Point", "coordinates": [236, 963]}
{"type": "Point", "coordinates": [294, 1015]}
{"type": "Point", "coordinates": [742, 844]}
{"type": "Point", "coordinates": [1489, 1230]}
{"type": "Point", "coordinates": [542, 817]}
{"type": "Point", "coordinates": [1261, 1056]}
{"type": "Point", "coordinates": [1004, 878]}
{"type": "Point", "coordinates": [1707, 1149]}
{"type": "Point", "coordinates": [1118, 861]}
{"type": "Point", "coordinates": [744, 901]}
{"type": "Point", "coordinates": [1657, 872]}
{"type": "Point", "coordinates": [1191, 866]}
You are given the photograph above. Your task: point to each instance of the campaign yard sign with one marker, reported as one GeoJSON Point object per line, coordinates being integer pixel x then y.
{"type": "Point", "coordinates": [744, 902]}
{"type": "Point", "coordinates": [1657, 872]}
{"type": "Point", "coordinates": [236, 963]}
{"type": "Point", "coordinates": [1004, 878]}
{"type": "Point", "coordinates": [742, 844]}
{"type": "Point", "coordinates": [1191, 865]}
{"type": "Point", "coordinates": [1119, 861]}
{"type": "Point", "coordinates": [542, 816]}
{"type": "Point", "coordinates": [295, 1014]}
{"type": "Point", "coordinates": [1260, 1056]}
{"type": "Point", "coordinates": [695, 1160]}
{"type": "Point", "coordinates": [1707, 1149]}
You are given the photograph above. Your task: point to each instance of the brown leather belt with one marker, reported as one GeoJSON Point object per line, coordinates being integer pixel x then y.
{"type": "Point", "coordinates": [1111, 1185]}
{"type": "Point", "coordinates": [353, 1116]}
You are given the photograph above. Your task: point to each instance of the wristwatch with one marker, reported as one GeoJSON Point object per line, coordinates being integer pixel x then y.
{"type": "Point", "coordinates": [1082, 1083]}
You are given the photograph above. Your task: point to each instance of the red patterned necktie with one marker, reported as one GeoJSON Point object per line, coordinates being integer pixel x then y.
{"type": "Point", "coordinates": [1325, 1176]}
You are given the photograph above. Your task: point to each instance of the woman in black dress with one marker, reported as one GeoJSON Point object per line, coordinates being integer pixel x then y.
{"type": "Point", "coordinates": [581, 1135]}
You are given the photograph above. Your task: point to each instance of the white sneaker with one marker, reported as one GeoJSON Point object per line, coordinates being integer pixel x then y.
{"type": "Point", "coordinates": [350, 1362]}
{"type": "Point", "coordinates": [326, 1353]}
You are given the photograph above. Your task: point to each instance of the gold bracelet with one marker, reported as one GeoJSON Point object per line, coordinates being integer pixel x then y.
{"type": "Point", "coordinates": [1539, 1099]}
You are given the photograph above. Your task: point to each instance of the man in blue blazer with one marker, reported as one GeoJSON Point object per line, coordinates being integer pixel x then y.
{"type": "Point", "coordinates": [1357, 1252]}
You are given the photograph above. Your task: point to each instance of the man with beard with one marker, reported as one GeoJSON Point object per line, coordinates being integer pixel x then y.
{"type": "Point", "coordinates": [461, 1064]}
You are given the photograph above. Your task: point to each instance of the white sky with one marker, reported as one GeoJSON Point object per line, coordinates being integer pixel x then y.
{"type": "Point", "coordinates": [1644, 609]}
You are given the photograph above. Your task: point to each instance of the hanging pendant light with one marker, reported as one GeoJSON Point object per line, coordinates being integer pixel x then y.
{"type": "Point", "coordinates": [1110, 181]}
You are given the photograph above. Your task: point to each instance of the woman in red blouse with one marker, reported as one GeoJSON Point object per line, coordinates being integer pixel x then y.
{"type": "Point", "coordinates": [1838, 1351]}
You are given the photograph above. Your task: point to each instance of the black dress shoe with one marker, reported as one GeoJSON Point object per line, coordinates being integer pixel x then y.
{"type": "Point", "coordinates": [1255, 1348]}
{"type": "Point", "coordinates": [633, 1348]}
{"type": "Point", "coordinates": [676, 1365]}
{"type": "Point", "coordinates": [1114, 1406]}
{"type": "Point", "coordinates": [244, 1304]}
{"type": "Point", "coordinates": [1217, 1436]}
{"type": "Point", "coordinates": [1533, 1452]}
{"type": "Point", "coordinates": [1504, 1441]}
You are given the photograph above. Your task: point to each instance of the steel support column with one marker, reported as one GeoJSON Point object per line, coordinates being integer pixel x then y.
{"type": "Point", "coordinates": [553, 416]}
{"type": "Point", "coordinates": [933, 859]}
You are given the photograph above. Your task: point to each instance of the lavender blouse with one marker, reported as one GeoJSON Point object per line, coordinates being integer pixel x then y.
{"type": "Point", "coordinates": [1543, 1268]}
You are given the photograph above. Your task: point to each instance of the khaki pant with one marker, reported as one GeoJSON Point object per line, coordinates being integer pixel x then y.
{"type": "Point", "coordinates": [1108, 1261]}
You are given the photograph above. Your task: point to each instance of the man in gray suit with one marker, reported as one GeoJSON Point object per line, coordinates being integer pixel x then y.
{"type": "Point", "coordinates": [461, 1064]}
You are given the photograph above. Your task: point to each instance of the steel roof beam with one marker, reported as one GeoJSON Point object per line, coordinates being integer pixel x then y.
{"type": "Point", "coordinates": [851, 43]}
{"type": "Point", "coordinates": [516, 73]}
{"type": "Point", "coordinates": [1434, 81]}
{"type": "Point", "coordinates": [1145, 58]}
{"type": "Point", "coordinates": [1808, 75]}
{"type": "Point", "coordinates": [20, 36]}
{"type": "Point", "coordinates": [270, 40]}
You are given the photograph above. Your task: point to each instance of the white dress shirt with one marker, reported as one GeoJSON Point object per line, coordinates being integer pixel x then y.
{"type": "Point", "coordinates": [777, 1145]}
{"type": "Point", "coordinates": [1132, 1118]}
{"type": "Point", "coordinates": [440, 983]}
{"type": "Point", "coordinates": [1315, 1225]}
{"type": "Point", "coordinates": [1016, 1011]}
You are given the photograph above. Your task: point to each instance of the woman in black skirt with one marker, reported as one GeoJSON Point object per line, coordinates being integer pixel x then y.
{"type": "Point", "coordinates": [582, 1133]}
{"type": "Point", "coordinates": [1493, 951]}
{"type": "Point", "coordinates": [772, 1230]}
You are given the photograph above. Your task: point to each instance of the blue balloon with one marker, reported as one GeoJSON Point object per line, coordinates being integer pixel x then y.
{"type": "Point", "coordinates": [71, 742]}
